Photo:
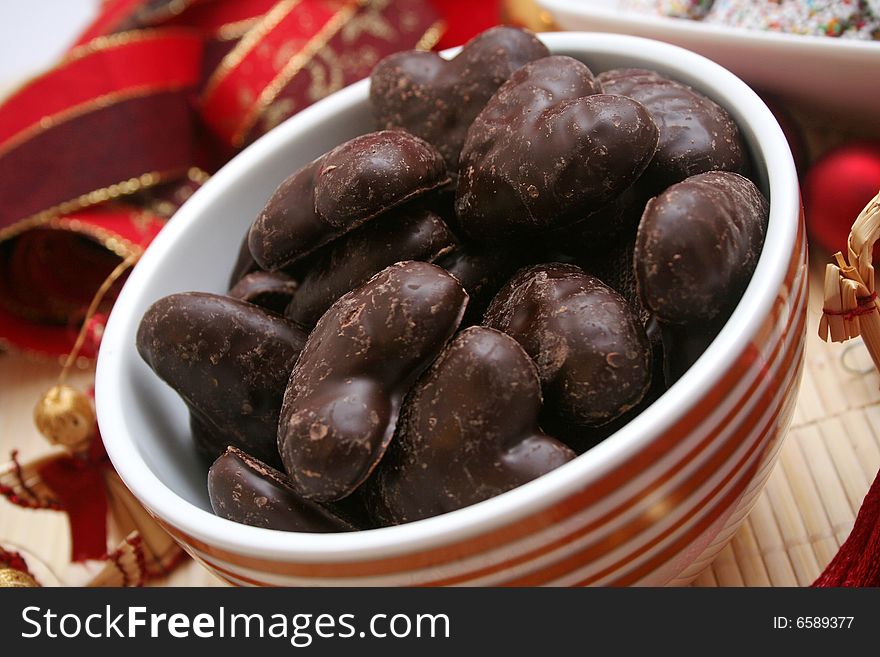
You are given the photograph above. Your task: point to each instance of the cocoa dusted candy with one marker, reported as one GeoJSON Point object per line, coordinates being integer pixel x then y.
{"type": "Point", "coordinates": [271, 290]}
{"type": "Point", "coordinates": [697, 246]}
{"type": "Point", "coordinates": [246, 490]}
{"type": "Point", "coordinates": [468, 431]}
{"type": "Point", "coordinates": [341, 190]}
{"type": "Point", "coordinates": [696, 134]}
{"type": "Point", "coordinates": [437, 99]}
{"type": "Point", "coordinates": [592, 353]}
{"type": "Point", "coordinates": [341, 404]}
{"type": "Point", "coordinates": [582, 438]}
{"type": "Point", "coordinates": [229, 360]}
{"type": "Point", "coordinates": [516, 265]}
{"type": "Point", "coordinates": [408, 233]}
{"type": "Point", "coordinates": [547, 150]}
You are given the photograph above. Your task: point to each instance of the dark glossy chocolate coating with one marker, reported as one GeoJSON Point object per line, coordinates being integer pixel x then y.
{"type": "Point", "coordinates": [341, 190]}
{"type": "Point", "coordinates": [581, 439]}
{"type": "Point", "coordinates": [246, 490]}
{"type": "Point", "coordinates": [437, 99]}
{"type": "Point", "coordinates": [697, 246]}
{"type": "Point", "coordinates": [271, 290]}
{"type": "Point", "coordinates": [696, 134]}
{"type": "Point", "coordinates": [547, 150]}
{"type": "Point", "coordinates": [468, 431]}
{"type": "Point", "coordinates": [408, 233]}
{"type": "Point", "coordinates": [229, 360]}
{"type": "Point", "coordinates": [341, 404]}
{"type": "Point", "coordinates": [591, 350]}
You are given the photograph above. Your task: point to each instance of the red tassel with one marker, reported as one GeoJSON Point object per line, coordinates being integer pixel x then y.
{"type": "Point", "coordinates": [857, 563]}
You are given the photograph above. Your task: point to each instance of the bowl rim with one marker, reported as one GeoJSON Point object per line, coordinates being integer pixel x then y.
{"type": "Point", "coordinates": [509, 507]}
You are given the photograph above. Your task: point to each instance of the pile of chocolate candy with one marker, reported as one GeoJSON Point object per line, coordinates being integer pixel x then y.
{"type": "Point", "coordinates": [522, 258]}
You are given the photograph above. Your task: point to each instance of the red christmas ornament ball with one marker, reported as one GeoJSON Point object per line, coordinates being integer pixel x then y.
{"type": "Point", "coordinates": [837, 187]}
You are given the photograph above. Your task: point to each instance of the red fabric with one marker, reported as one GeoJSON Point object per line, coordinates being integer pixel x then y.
{"type": "Point", "coordinates": [857, 563]}
{"type": "Point", "coordinates": [79, 486]}
{"type": "Point", "coordinates": [145, 134]}
{"type": "Point", "coordinates": [229, 99]}
{"type": "Point", "coordinates": [213, 15]}
{"type": "Point", "coordinates": [48, 276]}
{"type": "Point", "coordinates": [125, 109]}
{"type": "Point", "coordinates": [323, 75]}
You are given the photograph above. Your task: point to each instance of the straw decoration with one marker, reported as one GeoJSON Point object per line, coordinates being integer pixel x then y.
{"type": "Point", "coordinates": [850, 310]}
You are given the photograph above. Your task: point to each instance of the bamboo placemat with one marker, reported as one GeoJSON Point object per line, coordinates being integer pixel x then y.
{"type": "Point", "coordinates": [825, 468]}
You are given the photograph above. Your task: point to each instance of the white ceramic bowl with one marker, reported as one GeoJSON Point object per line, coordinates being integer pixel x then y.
{"type": "Point", "coordinates": [650, 505]}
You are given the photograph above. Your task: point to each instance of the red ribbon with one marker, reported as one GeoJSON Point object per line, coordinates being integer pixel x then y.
{"type": "Point", "coordinates": [109, 114]}
{"type": "Point", "coordinates": [78, 484]}
{"type": "Point", "coordinates": [118, 116]}
{"type": "Point", "coordinates": [235, 92]}
{"type": "Point", "coordinates": [48, 275]}
{"type": "Point", "coordinates": [216, 17]}
{"type": "Point", "coordinates": [114, 15]}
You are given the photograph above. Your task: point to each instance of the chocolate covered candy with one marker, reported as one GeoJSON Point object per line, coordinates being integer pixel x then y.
{"type": "Point", "coordinates": [271, 290]}
{"type": "Point", "coordinates": [246, 490]}
{"type": "Point", "coordinates": [437, 99]}
{"type": "Point", "coordinates": [229, 360]}
{"type": "Point", "coordinates": [341, 404]}
{"type": "Point", "coordinates": [696, 134]}
{"type": "Point", "coordinates": [468, 431]}
{"type": "Point", "coordinates": [409, 233]}
{"type": "Point", "coordinates": [593, 356]}
{"type": "Point", "coordinates": [547, 150]}
{"type": "Point", "coordinates": [697, 246]}
{"type": "Point", "coordinates": [582, 438]}
{"type": "Point", "coordinates": [341, 190]}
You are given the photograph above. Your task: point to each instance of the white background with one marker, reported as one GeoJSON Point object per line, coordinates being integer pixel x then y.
{"type": "Point", "coordinates": [34, 33]}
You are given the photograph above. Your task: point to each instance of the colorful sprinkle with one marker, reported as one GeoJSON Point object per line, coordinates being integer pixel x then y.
{"type": "Point", "coordinates": [854, 19]}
